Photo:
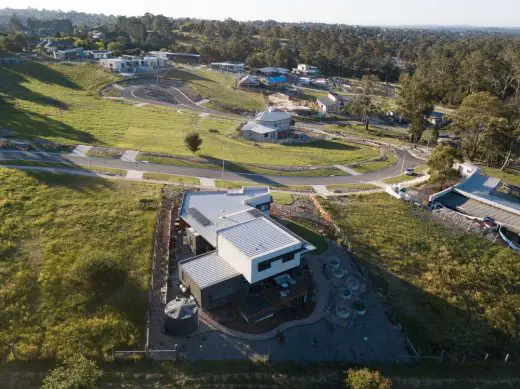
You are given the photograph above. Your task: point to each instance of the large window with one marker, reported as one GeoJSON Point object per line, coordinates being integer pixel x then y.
{"type": "Point", "coordinates": [264, 207]}
{"type": "Point", "coordinates": [264, 265]}
{"type": "Point", "coordinates": [267, 264]}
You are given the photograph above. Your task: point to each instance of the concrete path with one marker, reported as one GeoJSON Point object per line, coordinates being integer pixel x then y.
{"type": "Point", "coordinates": [322, 290]}
{"type": "Point", "coordinates": [130, 156]}
{"type": "Point", "coordinates": [81, 151]}
{"type": "Point", "coordinates": [134, 174]}
{"type": "Point", "coordinates": [348, 170]}
{"type": "Point", "coordinates": [322, 190]}
{"type": "Point", "coordinates": [207, 182]}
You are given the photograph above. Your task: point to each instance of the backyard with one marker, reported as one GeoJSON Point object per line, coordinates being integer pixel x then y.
{"type": "Point", "coordinates": [75, 259]}
{"type": "Point", "coordinates": [61, 103]}
{"type": "Point", "coordinates": [450, 290]}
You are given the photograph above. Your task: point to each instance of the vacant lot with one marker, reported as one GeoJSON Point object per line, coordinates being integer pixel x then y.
{"type": "Point", "coordinates": [450, 290]}
{"type": "Point", "coordinates": [219, 88]}
{"type": "Point", "coordinates": [75, 256]}
{"type": "Point", "coordinates": [62, 103]}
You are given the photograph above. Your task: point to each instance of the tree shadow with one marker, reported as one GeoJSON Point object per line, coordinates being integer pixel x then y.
{"type": "Point", "coordinates": [324, 144]}
{"type": "Point", "coordinates": [38, 71]}
{"type": "Point", "coordinates": [183, 75]}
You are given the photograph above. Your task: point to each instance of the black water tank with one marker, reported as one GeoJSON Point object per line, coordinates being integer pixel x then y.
{"type": "Point", "coordinates": [181, 317]}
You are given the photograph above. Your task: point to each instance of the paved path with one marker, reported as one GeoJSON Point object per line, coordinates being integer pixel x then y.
{"type": "Point", "coordinates": [348, 170]}
{"type": "Point", "coordinates": [322, 190]}
{"type": "Point", "coordinates": [135, 174]}
{"type": "Point", "coordinates": [130, 156]}
{"type": "Point", "coordinates": [208, 182]}
{"type": "Point", "coordinates": [390, 171]}
{"type": "Point", "coordinates": [81, 151]}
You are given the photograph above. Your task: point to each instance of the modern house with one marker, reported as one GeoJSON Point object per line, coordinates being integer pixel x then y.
{"type": "Point", "coordinates": [243, 257]}
{"type": "Point", "coordinates": [132, 64]}
{"type": "Point", "coordinates": [307, 70]}
{"type": "Point", "coordinates": [268, 127]}
{"type": "Point", "coordinates": [230, 66]}
{"type": "Point", "coordinates": [273, 71]}
{"type": "Point", "coordinates": [65, 54]}
{"type": "Point", "coordinates": [99, 54]}
{"type": "Point", "coordinates": [188, 58]}
{"type": "Point", "coordinates": [480, 197]}
{"type": "Point", "coordinates": [332, 103]}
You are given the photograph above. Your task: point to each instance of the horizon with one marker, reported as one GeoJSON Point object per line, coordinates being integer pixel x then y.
{"type": "Point", "coordinates": [400, 14]}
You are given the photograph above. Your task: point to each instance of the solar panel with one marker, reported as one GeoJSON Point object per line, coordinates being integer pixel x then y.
{"type": "Point", "coordinates": [255, 212]}
{"type": "Point", "coordinates": [199, 217]}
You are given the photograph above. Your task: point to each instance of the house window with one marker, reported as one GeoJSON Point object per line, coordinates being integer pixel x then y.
{"type": "Point", "coordinates": [266, 135]}
{"type": "Point", "coordinates": [264, 207]}
{"type": "Point", "coordinates": [287, 258]}
{"type": "Point", "coordinates": [264, 265]}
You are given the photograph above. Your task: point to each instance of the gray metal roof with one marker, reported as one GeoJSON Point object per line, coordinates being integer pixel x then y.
{"type": "Point", "coordinates": [268, 116]}
{"type": "Point", "coordinates": [478, 184]}
{"type": "Point", "coordinates": [327, 101]}
{"type": "Point", "coordinates": [475, 208]}
{"type": "Point", "coordinates": [258, 128]}
{"type": "Point", "coordinates": [208, 269]}
{"type": "Point", "coordinates": [259, 236]}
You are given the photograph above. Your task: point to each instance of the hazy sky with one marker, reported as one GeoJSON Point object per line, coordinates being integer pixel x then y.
{"type": "Point", "coordinates": [366, 12]}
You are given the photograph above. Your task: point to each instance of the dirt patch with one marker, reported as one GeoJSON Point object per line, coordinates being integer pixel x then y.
{"type": "Point", "coordinates": [105, 152]}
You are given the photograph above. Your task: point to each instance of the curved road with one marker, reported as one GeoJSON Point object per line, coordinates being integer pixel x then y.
{"type": "Point", "coordinates": [391, 171]}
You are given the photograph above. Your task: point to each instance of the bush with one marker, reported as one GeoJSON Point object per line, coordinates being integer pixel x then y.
{"type": "Point", "coordinates": [100, 271]}
{"type": "Point", "coordinates": [367, 379]}
{"type": "Point", "coordinates": [76, 372]}
{"type": "Point", "coordinates": [193, 142]}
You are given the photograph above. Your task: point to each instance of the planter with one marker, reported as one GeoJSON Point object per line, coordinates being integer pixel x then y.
{"type": "Point", "coordinates": [353, 284]}
{"type": "Point", "coordinates": [342, 312]}
{"type": "Point", "coordinates": [345, 293]}
{"type": "Point", "coordinates": [359, 307]}
{"type": "Point", "coordinates": [334, 263]}
{"type": "Point", "coordinates": [337, 273]}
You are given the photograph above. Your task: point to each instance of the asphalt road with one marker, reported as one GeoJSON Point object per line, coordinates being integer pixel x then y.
{"type": "Point", "coordinates": [391, 171]}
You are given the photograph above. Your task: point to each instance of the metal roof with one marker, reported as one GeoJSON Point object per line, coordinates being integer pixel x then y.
{"type": "Point", "coordinates": [475, 208]}
{"type": "Point", "coordinates": [258, 128]}
{"type": "Point", "coordinates": [276, 80]}
{"type": "Point", "coordinates": [208, 269]}
{"type": "Point", "coordinates": [268, 116]}
{"type": "Point", "coordinates": [327, 101]}
{"type": "Point", "coordinates": [259, 236]}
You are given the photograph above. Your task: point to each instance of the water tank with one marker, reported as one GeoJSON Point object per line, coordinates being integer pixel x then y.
{"type": "Point", "coordinates": [181, 317]}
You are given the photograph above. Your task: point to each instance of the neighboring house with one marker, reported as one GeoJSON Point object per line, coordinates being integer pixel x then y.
{"type": "Point", "coordinates": [276, 82]}
{"type": "Point", "coordinates": [65, 54]}
{"type": "Point", "coordinates": [51, 46]}
{"type": "Point", "coordinates": [249, 81]}
{"type": "Point", "coordinates": [243, 257]}
{"type": "Point", "coordinates": [479, 197]}
{"type": "Point", "coordinates": [332, 103]}
{"type": "Point", "coordinates": [268, 127]}
{"type": "Point", "coordinates": [320, 83]}
{"type": "Point", "coordinates": [273, 71]}
{"type": "Point", "coordinates": [307, 70]}
{"type": "Point", "coordinates": [99, 54]}
{"type": "Point", "coordinates": [178, 57]}
{"type": "Point", "coordinates": [233, 67]}
{"type": "Point", "coordinates": [132, 64]}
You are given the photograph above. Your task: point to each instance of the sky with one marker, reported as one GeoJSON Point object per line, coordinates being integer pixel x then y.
{"type": "Point", "coordinates": [489, 13]}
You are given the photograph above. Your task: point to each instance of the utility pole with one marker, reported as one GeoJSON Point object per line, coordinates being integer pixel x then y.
{"type": "Point", "coordinates": [404, 158]}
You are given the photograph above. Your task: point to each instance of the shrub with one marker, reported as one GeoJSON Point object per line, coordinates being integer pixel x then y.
{"type": "Point", "coordinates": [76, 372]}
{"type": "Point", "coordinates": [367, 379]}
{"type": "Point", "coordinates": [100, 271]}
{"type": "Point", "coordinates": [193, 142]}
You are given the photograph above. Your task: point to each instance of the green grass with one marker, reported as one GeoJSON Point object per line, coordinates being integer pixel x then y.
{"type": "Point", "coordinates": [219, 88]}
{"type": "Point", "coordinates": [239, 184]}
{"type": "Point", "coordinates": [283, 198]}
{"type": "Point", "coordinates": [375, 165]}
{"type": "Point", "coordinates": [310, 235]}
{"type": "Point", "coordinates": [172, 178]}
{"type": "Point", "coordinates": [353, 186]}
{"type": "Point", "coordinates": [507, 176]}
{"type": "Point", "coordinates": [97, 169]}
{"type": "Point", "coordinates": [451, 290]}
{"type": "Point", "coordinates": [49, 223]}
{"type": "Point", "coordinates": [398, 179]}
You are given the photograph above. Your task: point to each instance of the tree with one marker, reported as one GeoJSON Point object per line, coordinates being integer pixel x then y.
{"type": "Point", "coordinates": [14, 25]}
{"type": "Point", "coordinates": [117, 47]}
{"type": "Point", "coordinates": [193, 142]}
{"type": "Point", "coordinates": [414, 102]}
{"type": "Point", "coordinates": [76, 372]}
{"type": "Point", "coordinates": [441, 164]}
{"type": "Point", "coordinates": [476, 119]}
{"type": "Point", "coordinates": [367, 379]}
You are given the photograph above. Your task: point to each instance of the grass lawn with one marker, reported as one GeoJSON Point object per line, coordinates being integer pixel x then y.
{"type": "Point", "coordinates": [450, 290]}
{"type": "Point", "coordinates": [219, 88]}
{"type": "Point", "coordinates": [239, 184]}
{"type": "Point", "coordinates": [283, 198]}
{"type": "Point", "coordinates": [508, 177]}
{"type": "Point", "coordinates": [172, 178]}
{"type": "Point", "coordinates": [61, 103]}
{"type": "Point", "coordinates": [352, 187]}
{"type": "Point", "coordinates": [398, 179]}
{"type": "Point", "coordinates": [51, 228]}
{"type": "Point", "coordinates": [375, 165]}
{"type": "Point", "coordinates": [310, 235]}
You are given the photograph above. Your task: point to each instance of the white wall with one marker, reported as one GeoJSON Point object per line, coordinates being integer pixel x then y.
{"type": "Point", "coordinates": [277, 267]}
{"type": "Point", "coordinates": [234, 257]}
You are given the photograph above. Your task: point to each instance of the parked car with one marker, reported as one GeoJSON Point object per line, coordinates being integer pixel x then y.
{"type": "Point", "coordinates": [409, 171]}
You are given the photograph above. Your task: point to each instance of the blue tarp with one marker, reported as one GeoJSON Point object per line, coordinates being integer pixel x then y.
{"type": "Point", "coordinates": [276, 80]}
